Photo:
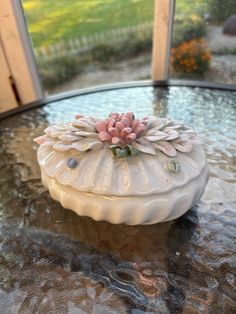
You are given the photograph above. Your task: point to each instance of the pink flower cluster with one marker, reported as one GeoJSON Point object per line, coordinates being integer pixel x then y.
{"type": "Point", "coordinates": [120, 129]}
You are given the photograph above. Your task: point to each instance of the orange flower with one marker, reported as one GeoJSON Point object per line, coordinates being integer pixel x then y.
{"type": "Point", "coordinates": [191, 56]}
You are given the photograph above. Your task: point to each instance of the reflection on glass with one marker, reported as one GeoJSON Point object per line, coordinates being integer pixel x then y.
{"type": "Point", "coordinates": [54, 261]}
{"type": "Point", "coordinates": [204, 41]}
{"type": "Point", "coordinates": [84, 43]}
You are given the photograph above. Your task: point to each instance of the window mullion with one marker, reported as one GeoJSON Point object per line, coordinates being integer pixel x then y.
{"type": "Point", "coordinates": [163, 21]}
{"type": "Point", "coordinates": [18, 51]}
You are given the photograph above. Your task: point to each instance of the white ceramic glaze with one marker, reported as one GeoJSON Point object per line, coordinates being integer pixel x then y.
{"type": "Point", "coordinates": [131, 210]}
{"type": "Point", "coordinates": [133, 190]}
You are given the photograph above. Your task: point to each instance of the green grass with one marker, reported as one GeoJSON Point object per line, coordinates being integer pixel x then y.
{"type": "Point", "coordinates": [188, 7]}
{"type": "Point", "coordinates": [50, 21]}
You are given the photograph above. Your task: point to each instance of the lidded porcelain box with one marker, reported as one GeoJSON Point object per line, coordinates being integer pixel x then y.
{"type": "Point", "coordinates": [122, 169]}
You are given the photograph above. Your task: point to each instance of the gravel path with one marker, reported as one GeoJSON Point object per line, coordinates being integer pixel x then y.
{"type": "Point", "coordinates": [222, 69]}
{"type": "Point", "coordinates": [218, 41]}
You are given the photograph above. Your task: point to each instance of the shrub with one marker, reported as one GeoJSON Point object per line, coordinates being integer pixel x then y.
{"type": "Point", "coordinates": [58, 70]}
{"type": "Point", "coordinates": [186, 29]}
{"type": "Point", "coordinates": [192, 57]}
{"type": "Point", "coordinates": [137, 43]}
{"type": "Point", "coordinates": [131, 46]}
{"type": "Point", "coordinates": [220, 10]}
{"type": "Point", "coordinates": [103, 52]}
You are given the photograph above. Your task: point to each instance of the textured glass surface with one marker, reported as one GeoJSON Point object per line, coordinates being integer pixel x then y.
{"type": "Point", "coordinates": [53, 261]}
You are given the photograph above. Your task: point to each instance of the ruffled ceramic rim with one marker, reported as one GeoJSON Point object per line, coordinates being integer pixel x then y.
{"type": "Point", "coordinates": [54, 164]}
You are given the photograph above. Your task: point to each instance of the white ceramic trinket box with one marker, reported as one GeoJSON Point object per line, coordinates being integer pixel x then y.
{"type": "Point", "coordinates": [123, 169]}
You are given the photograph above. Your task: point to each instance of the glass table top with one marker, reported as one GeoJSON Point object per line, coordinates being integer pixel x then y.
{"type": "Point", "coordinates": [54, 261]}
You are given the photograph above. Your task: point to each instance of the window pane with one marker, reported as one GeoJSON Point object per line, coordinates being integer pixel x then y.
{"type": "Point", "coordinates": [79, 44]}
{"type": "Point", "coordinates": [204, 41]}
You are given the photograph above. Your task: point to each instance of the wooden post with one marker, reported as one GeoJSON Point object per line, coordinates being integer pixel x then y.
{"type": "Point", "coordinates": [18, 52]}
{"type": "Point", "coordinates": [7, 97]}
{"type": "Point", "coordinates": [163, 19]}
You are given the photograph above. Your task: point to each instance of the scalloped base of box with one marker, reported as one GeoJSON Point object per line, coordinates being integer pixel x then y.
{"type": "Point", "coordinates": [130, 210]}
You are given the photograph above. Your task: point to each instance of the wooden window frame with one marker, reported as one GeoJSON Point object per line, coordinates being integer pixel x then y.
{"type": "Point", "coordinates": [17, 48]}
{"type": "Point", "coordinates": [162, 32]}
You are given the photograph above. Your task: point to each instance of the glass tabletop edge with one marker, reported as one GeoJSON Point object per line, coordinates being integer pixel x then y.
{"type": "Point", "coordinates": [114, 86]}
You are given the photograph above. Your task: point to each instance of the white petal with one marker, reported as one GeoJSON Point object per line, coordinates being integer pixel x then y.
{"type": "Point", "coordinates": [149, 125]}
{"type": "Point", "coordinates": [92, 120]}
{"type": "Point", "coordinates": [166, 148]}
{"type": "Point", "coordinates": [88, 120]}
{"type": "Point", "coordinates": [84, 125]}
{"type": "Point", "coordinates": [173, 134]}
{"type": "Point", "coordinates": [87, 134]}
{"type": "Point", "coordinates": [53, 128]}
{"type": "Point", "coordinates": [184, 146]}
{"type": "Point", "coordinates": [61, 146]}
{"type": "Point", "coordinates": [71, 128]}
{"type": "Point", "coordinates": [49, 141]}
{"type": "Point", "coordinates": [172, 124]}
{"type": "Point", "coordinates": [158, 124]}
{"type": "Point", "coordinates": [68, 137]}
{"type": "Point", "coordinates": [87, 144]}
{"type": "Point", "coordinates": [53, 131]}
{"type": "Point", "coordinates": [155, 132]}
{"type": "Point", "coordinates": [144, 147]}
{"type": "Point", "coordinates": [154, 138]}
{"type": "Point", "coordinates": [182, 138]}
